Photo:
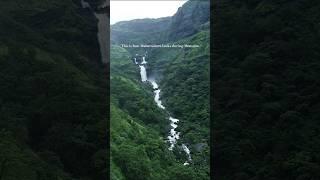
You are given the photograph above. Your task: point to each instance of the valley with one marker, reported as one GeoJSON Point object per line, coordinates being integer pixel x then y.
{"type": "Point", "coordinates": [165, 92]}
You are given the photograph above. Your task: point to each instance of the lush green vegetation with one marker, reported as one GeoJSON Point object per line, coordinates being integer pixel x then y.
{"type": "Point", "coordinates": [138, 126]}
{"type": "Point", "coordinates": [140, 31]}
{"type": "Point", "coordinates": [138, 129]}
{"type": "Point", "coordinates": [266, 90]}
{"type": "Point", "coordinates": [53, 92]}
{"type": "Point", "coordinates": [186, 88]}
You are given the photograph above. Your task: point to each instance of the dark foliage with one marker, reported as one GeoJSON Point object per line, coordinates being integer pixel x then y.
{"type": "Point", "coordinates": [53, 93]}
{"type": "Point", "coordinates": [266, 90]}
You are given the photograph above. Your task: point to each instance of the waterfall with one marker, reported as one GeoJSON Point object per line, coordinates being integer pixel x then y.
{"type": "Point", "coordinates": [144, 60]}
{"type": "Point", "coordinates": [173, 136]}
{"type": "Point", "coordinates": [157, 94]}
{"type": "Point", "coordinates": [187, 151]}
{"type": "Point", "coordinates": [154, 85]}
{"type": "Point", "coordinates": [157, 98]}
{"type": "Point", "coordinates": [143, 73]}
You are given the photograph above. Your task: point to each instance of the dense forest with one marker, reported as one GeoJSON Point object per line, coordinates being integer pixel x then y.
{"type": "Point", "coordinates": [137, 145]}
{"type": "Point", "coordinates": [53, 92]}
{"type": "Point", "coordinates": [139, 128]}
{"type": "Point", "coordinates": [266, 72]}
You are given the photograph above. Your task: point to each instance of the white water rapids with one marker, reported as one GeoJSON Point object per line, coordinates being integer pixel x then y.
{"type": "Point", "coordinates": [174, 135]}
{"type": "Point", "coordinates": [157, 94]}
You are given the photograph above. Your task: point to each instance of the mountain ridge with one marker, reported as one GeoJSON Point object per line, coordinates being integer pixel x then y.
{"type": "Point", "coordinates": [184, 23]}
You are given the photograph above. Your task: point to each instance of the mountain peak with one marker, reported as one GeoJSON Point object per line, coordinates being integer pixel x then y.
{"type": "Point", "coordinates": [189, 18]}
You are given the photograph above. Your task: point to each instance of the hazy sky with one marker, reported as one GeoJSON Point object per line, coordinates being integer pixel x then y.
{"type": "Point", "coordinates": [127, 10]}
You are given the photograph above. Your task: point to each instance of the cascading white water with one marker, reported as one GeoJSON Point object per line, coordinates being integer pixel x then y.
{"type": "Point", "coordinates": [157, 98]}
{"type": "Point", "coordinates": [135, 61]}
{"type": "Point", "coordinates": [144, 60]}
{"type": "Point", "coordinates": [187, 151]}
{"type": "Point", "coordinates": [154, 85]}
{"type": "Point", "coordinates": [143, 73]}
{"type": "Point", "coordinates": [174, 136]}
{"type": "Point", "coordinates": [157, 94]}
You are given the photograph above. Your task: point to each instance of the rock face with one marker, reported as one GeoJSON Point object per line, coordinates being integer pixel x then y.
{"type": "Point", "coordinates": [188, 19]}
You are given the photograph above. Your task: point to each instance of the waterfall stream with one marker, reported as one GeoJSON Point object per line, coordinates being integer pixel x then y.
{"type": "Point", "coordinates": [143, 73]}
{"type": "Point", "coordinates": [173, 136]}
{"type": "Point", "coordinates": [144, 60]}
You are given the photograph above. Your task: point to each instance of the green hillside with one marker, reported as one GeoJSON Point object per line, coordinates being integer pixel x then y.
{"type": "Point", "coordinates": [183, 76]}
{"type": "Point", "coordinates": [138, 128]}
{"type": "Point", "coordinates": [139, 31]}
{"type": "Point", "coordinates": [266, 90]}
{"type": "Point", "coordinates": [52, 93]}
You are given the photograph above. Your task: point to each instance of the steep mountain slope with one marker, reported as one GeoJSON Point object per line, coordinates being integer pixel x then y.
{"type": "Point", "coordinates": [182, 73]}
{"type": "Point", "coordinates": [52, 93]}
{"type": "Point", "coordinates": [138, 126]}
{"type": "Point", "coordinates": [266, 90]}
{"type": "Point", "coordinates": [140, 31]}
{"type": "Point", "coordinates": [189, 19]}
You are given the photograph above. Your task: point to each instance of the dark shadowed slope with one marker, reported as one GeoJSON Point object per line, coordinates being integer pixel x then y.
{"type": "Point", "coordinates": [266, 90]}
{"type": "Point", "coordinates": [52, 93]}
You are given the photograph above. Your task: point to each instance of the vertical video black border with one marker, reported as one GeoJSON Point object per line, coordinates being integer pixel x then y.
{"type": "Point", "coordinates": [211, 86]}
